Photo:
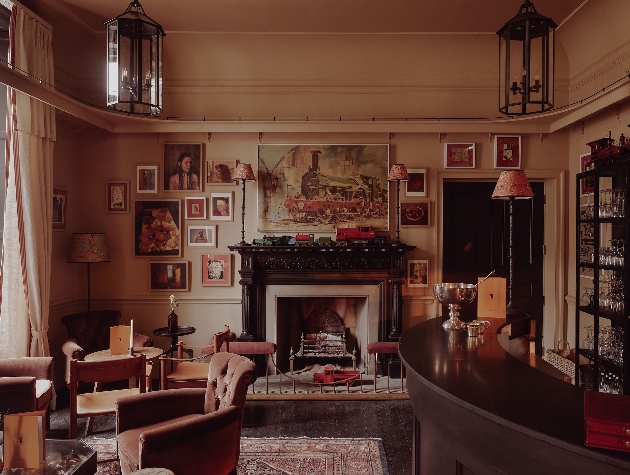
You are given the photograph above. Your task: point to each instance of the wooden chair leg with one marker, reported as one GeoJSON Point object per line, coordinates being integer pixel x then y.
{"type": "Point", "coordinates": [375, 369]}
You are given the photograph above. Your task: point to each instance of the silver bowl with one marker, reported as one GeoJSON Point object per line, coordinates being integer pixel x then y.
{"type": "Point", "coordinates": [454, 295]}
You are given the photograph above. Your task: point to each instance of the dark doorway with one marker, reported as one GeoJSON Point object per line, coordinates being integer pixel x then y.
{"type": "Point", "coordinates": [476, 241]}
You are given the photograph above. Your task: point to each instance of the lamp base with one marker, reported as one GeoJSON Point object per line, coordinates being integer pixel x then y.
{"type": "Point", "coordinates": [243, 243]}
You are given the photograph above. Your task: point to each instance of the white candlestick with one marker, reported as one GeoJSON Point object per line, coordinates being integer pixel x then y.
{"type": "Point", "coordinates": [131, 335]}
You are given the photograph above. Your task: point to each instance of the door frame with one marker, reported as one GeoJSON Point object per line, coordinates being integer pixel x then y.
{"type": "Point", "coordinates": [555, 308]}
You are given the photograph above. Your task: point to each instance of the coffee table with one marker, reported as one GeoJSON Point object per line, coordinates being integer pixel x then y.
{"type": "Point", "coordinates": [63, 457]}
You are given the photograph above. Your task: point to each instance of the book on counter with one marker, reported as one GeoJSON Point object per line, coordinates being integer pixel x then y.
{"type": "Point", "coordinates": [607, 421]}
{"type": "Point", "coordinates": [24, 440]}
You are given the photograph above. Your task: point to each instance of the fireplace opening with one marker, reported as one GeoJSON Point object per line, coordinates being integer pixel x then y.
{"type": "Point", "coordinates": [328, 325]}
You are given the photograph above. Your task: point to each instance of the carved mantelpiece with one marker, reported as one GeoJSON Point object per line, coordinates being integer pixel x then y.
{"type": "Point", "coordinates": [347, 265]}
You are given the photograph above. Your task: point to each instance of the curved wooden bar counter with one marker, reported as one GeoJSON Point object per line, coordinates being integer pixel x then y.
{"type": "Point", "coordinates": [479, 410]}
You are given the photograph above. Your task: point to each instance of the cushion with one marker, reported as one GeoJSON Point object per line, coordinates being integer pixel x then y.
{"type": "Point", "coordinates": [252, 348]}
{"type": "Point", "coordinates": [103, 402]}
{"type": "Point", "coordinates": [189, 371]}
{"type": "Point", "coordinates": [43, 393]}
{"type": "Point", "coordinates": [382, 347]}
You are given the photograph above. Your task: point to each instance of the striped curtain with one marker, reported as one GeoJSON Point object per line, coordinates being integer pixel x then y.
{"type": "Point", "coordinates": [27, 244]}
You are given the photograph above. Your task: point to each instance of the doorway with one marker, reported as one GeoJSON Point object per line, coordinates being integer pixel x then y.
{"type": "Point", "coordinates": [476, 241]}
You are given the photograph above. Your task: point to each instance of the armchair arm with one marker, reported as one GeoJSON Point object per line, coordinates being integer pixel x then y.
{"type": "Point", "coordinates": [151, 408]}
{"type": "Point", "coordinates": [141, 340]}
{"type": "Point", "coordinates": [17, 394]}
{"type": "Point", "coordinates": [217, 433]}
{"type": "Point", "coordinates": [39, 367]}
{"type": "Point", "coordinates": [72, 350]}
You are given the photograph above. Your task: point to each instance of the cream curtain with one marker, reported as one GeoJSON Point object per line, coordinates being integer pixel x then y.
{"type": "Point", "coordinates": [26, 254]}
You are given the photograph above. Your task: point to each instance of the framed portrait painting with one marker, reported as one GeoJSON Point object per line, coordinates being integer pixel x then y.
{"type": "Point", "coordinates": [507, 151]}
{"type": "Point", "coordinates": [157, 228]}
{"type": "Point", "coordinates": [417, 273]}
{"type": "Point", "coordinates": [117, 196]}
{"type": "Point", "coordinates": [587, 186]}
{"type": "Point", "coordinates": [202, 236]}
{"type": "Point", "coordinates": [317, 188]}
{"type": "Point", "coordinates": [216, 270]}
{"type": "Point", "coordinates": [414, 214]}
{"type": "Point", "coordinates": [459, 155]}
{"type": "Point", "coordinates": [169, 275]}
{"type": "Point", "coordinates": [222, 205]}
{"type": "Point", "coordinates": [195, 208]}
{"type": "Point", "coordinates": [147, 179]}
{"type": "Point", "coordinates": [182, 166]}
{"type": "Point", "coordinates": [220, 172]}
{"type": "Point", "coordinates": [59, 208]}
{"type": "Point", "coordinates": [417, 184]}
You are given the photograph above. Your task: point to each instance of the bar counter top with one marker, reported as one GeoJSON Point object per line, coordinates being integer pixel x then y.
{"type": "Point", "coordinates": [481, 410]}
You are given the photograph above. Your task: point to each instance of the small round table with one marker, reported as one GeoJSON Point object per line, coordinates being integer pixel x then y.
{"type": "Point", "coordinates": [181, 331]}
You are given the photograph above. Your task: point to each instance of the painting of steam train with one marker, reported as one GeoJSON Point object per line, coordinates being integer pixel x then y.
{"type": "Point", "coordinates": [321, 187]}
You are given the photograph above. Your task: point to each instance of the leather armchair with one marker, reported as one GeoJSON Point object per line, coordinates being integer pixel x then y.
{"type": "Point", "coordinates": [190, 430]}
{"type": "Point", "coordinates": [26, 384]}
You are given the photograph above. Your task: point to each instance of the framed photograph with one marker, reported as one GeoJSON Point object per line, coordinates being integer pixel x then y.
{"type": "Point", "coordinates": [220, 172]}
{"type": "Point", "coordinates": [117, 196]}
{"type": "Point", "coordinates": [216, 270]}
{"type": "Point", "coordinates": [587, 186]}
{"type": "Point", "coordinates": [222, 205]}
{"type": "Point", "coordinates": [195, 208]}
{"type": "Point", "coordinates": [417, 273]}
{"type": "Point", "coordinates": [182, 166]}
{"type": "Point", "coordinates": [157, 228]}
{"type": "Point", "coordinates": [507, 151]}
{"type": "Point", "coordinates": [169, 275]}
{"type": "Point", "coordinates": [459, 155]}
{"type": "Point", "coordinates": [147, 179]}
{"type": "Point", "coordinates": [417, 184]}
{"type": "Point", "coordinates": [59, 208]}
{"type": "Point", "coordinates": [202, 236]}
{"type": "Point", "coordinates": [317, 188]}
{"type": "Point", "coordinates": [415, 214]}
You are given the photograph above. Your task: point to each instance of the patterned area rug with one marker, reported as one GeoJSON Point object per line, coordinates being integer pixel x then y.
{"type": "Point", "coordinates": [285, 456]}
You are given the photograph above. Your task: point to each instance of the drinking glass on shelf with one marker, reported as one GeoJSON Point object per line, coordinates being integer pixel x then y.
{"type": "Point", "coordinates": [589, 341]}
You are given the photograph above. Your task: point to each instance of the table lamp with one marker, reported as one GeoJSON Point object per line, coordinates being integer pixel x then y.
{"type": "Point", "coordinates": [512, 185]}
{"type": "Point", "coordinates": [243, 173]}
{"type": "Point", "coordinates": [86, 248]}
{"type": "Point", "coordinates": [398, 173]}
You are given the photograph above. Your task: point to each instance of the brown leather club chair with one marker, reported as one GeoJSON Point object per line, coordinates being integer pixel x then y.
{"type": "Point", "coordinates": [190, 430]}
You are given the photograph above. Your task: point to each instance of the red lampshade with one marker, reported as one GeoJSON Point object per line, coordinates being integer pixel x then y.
{"type": "Point", "coordinates": [88, 247]}
{"type": "Point", "coordinates": [244, 172]}
{"type": "Point", "coordinates": [398, 173]}
{"type": "Point", "coordinates": [512, 184]}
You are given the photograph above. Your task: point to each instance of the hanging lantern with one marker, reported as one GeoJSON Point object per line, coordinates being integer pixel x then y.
{"type": "Point", "coordinates": [526, 63]}
{"type": "Point", "coordinates": [134, 62]}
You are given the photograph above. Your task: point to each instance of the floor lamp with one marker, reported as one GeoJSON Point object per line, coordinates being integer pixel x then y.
{"type": "Point", "coordinates": [512, 185]}
{"type": "Point", "coordinates": [243, 173]}
{"type": "Point", "coordinates": [398, 173]}
{"type": "Point", "coordinates": [86, 248]}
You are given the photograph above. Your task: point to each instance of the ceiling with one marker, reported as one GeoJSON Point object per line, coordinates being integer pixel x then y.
{"type": "Point", "coordinates": [323, 16]}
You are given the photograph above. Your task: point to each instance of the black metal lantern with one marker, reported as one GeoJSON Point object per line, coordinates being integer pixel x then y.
{"type": "Point", "coordinates": [526, 62]}
{"type": "Point", "coordinates": [134, 62]}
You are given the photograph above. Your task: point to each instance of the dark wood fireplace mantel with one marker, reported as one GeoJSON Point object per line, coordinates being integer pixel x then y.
{"type": "Point", "coordinates": [319, 265]}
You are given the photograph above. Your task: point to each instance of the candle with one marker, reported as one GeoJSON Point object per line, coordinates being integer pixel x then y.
{"type": "Point", "coordinates": [131, 335]}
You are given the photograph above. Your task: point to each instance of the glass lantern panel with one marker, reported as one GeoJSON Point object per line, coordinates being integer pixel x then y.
{"type": "Point", "coordinates": [112, 64]}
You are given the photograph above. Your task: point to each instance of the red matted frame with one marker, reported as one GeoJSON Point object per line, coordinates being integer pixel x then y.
{"type": "Point", "coordinates": [117, 197]}
{"type": "Point", "coordinates": [507, 151]}
{"type": "Point", "coordinates": [59, 208]}
{"type": "Point", "coordinates": [216, 270]}
{"type": "Point", "coordinates": [196, 208]}
{"type": "Point", "coordinates": [586, 164]}
{"type": "Point", "coordinates": [459, 155]}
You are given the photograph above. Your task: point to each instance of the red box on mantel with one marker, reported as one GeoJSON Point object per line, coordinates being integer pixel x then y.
{"type": "Point", "coordinates": [607, 421]}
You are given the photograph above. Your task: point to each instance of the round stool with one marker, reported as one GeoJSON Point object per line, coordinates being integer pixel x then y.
{"type": "Point", "coordinates": [153, 471]}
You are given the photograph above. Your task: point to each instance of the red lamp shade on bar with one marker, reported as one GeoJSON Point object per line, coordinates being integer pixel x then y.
{"type": "Point", "coordinates": [86, 248]}
{"type": "Point", "coordinates": [512, 184]}
{"type": "Point", "coordinates": [398, 173]}
{"type": "Point", "coordinates": [244, 172]}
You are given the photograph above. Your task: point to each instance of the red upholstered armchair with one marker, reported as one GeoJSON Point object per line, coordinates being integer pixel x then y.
{"type": "Point", "coordinates": [190, 430]}
{"type": "Point", "coordinates": [89, 332]}
{"type": "Point", "coordinates": [25, 384]}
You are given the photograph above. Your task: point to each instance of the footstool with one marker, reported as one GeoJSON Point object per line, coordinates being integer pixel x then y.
{"type": "Point", "coordinates": [388, 348]}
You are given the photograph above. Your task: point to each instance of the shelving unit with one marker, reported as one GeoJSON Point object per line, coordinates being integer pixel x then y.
{"type": "Point", "coordinates": [603, 278]}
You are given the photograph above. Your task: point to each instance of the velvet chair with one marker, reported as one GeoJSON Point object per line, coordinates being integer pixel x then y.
{"type": "Point", "coordinates": [190, 430]}
{"type": "Point", "coordinates": [26, 384]}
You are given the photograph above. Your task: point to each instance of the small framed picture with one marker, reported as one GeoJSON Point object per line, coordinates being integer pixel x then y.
{"type": "Point", "coordinates": [169, 275]}
{"type": "Point", "coordinates": [59, 208]}
{"type": "Point", "coordinates": [587, 186]}
{"type": "Point", "coordinates": [507, 151]}
{"type": "Point", "coordinates": [182, 166]}
{"type": "Point", "coordinates": [220, 172]}
{"type": "Point", "coordinates": [147, 179]}
{"type": "Point", "coordinates": [202, 236]}
{"type": "Point", "coordinates": [222, 206]}
{"type": "Point", "coordinates": [196, 208]}
{"type": "Point", "coordinates": [417, 273]}
{"type": "Point", "coordinates": [459, 155]}
{"type": "Point", "coordinates": [417, 184]}
{"type": "Point", "coordinates": [117, 196]}
{"type": "Point", "coordinates": [157, 228]}
{"type": "Point", "coordinates": [415, 214]}
{"type": "Point", "coordinates": [216, 270]}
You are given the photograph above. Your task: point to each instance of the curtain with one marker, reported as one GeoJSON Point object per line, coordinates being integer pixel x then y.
{"type": "Point", "coordinates": [27, 247]}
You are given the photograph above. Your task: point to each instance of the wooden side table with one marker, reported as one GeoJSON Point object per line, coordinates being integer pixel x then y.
{"type": "Point", "coordinates": [181, 331]}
